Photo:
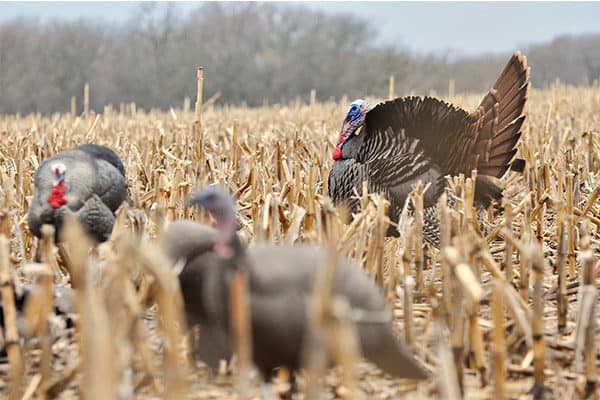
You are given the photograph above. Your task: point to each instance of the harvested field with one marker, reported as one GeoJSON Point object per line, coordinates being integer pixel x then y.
{"type": "Point", "coordinates": [540, 327]}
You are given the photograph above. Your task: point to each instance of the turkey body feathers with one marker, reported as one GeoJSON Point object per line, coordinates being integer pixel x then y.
{"type": "Point", "coordinates": [412, 125]}
{"type": "Point", "coordinates": [94, 189]}
{"type": "Point", "coordinates": [103, 153]}
{"type": "Point", "coordinates": [286, 287]}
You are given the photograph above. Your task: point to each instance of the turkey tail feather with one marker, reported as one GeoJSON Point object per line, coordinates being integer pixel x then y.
{"type": "Point", "coordinates": [496, 124]}
{"type": "Point", "coordinates": [518, 165]}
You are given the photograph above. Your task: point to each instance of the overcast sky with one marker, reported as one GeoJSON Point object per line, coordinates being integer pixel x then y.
{"type": "Point", "coordinates": [465, 27]}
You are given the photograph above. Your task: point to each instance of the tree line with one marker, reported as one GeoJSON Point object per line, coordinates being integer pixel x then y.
{"type": "Point", "coordinates": [252, 53]}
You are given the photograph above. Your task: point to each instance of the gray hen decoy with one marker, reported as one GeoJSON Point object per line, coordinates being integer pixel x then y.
{"type": "Point", "coordinates": [87, 180]}
{"type": "Point", "coordinates": [281, 281]}
{"type": "Point", "coordinates": [398, 142]}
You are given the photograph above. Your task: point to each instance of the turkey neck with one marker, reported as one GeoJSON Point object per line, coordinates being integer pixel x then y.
{"type": "Point", "coordinates": [347, 173]}
{"type": "Point", "coordinates": [223, 277]}
{"type": "Point", "coordinates": [351, 148]}
{"type": "Point", "coordinates": [233, 276]}
{"type": "Point", "coordinates": [239, 261]}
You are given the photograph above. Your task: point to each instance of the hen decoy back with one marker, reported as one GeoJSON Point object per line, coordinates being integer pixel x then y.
{"type": "Point", "coordinates": [87, 180]}
{"type": "Point", "coordinates": [398, 142]}
{"type": "Point", "coordinates": [281, 281]}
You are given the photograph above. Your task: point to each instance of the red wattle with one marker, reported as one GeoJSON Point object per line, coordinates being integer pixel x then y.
{"type": "Point", "coordinates": [337, 153]}
{"type": "Point", "coordinates": [57, 195]}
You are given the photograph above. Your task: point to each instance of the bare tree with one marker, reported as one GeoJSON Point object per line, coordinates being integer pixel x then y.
{"type": "Point", "coordinates": [251, 52]}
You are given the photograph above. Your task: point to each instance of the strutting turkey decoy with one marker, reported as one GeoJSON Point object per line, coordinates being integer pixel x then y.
{"type": "Point", "coordinates": [281, 281]}
{"type": "Point", "coordinates": [398, 142]}
{"type": "Point", "coordinates": [87, 180]}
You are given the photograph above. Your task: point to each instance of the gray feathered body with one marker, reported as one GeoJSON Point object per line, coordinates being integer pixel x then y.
{"type": "Point", "coordinates": [392, 176]}
{"type": "Point", "coordinates": [281, 281]}
{"type": "Point", "coordinates": [95, 187]}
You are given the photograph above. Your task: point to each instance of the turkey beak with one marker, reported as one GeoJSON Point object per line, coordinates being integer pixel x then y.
{"type": "Point", "coordinates": [59, 174]}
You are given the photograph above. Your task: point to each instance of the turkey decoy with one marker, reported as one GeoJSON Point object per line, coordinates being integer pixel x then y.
{"type": "Point", "coordinates": [87, 180]}
{"type": "Point", "coordinates": [280, 280]}
{"type": "Point", "coordinates": [398, 142]}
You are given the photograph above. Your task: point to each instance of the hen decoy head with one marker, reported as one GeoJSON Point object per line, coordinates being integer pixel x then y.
{"type": "Point", "coordinates": [220, 206]}
{"type": "Point", "coordinates": [352, 125]}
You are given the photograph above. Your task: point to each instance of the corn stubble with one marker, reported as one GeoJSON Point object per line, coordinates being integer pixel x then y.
{"type": "Point", "coordinates": [504, 308]}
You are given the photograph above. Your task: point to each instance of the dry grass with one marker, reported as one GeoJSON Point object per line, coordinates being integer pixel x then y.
{"type": "Point", "coordinates": [276, 160]}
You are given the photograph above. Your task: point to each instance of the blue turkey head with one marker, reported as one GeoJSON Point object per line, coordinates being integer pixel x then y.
{"type": "Point", "coordinates": [351, 126]}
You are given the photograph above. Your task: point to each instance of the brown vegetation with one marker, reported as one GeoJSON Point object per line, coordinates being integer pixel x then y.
{"type": "Point", "coordinates": [276, 160]}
